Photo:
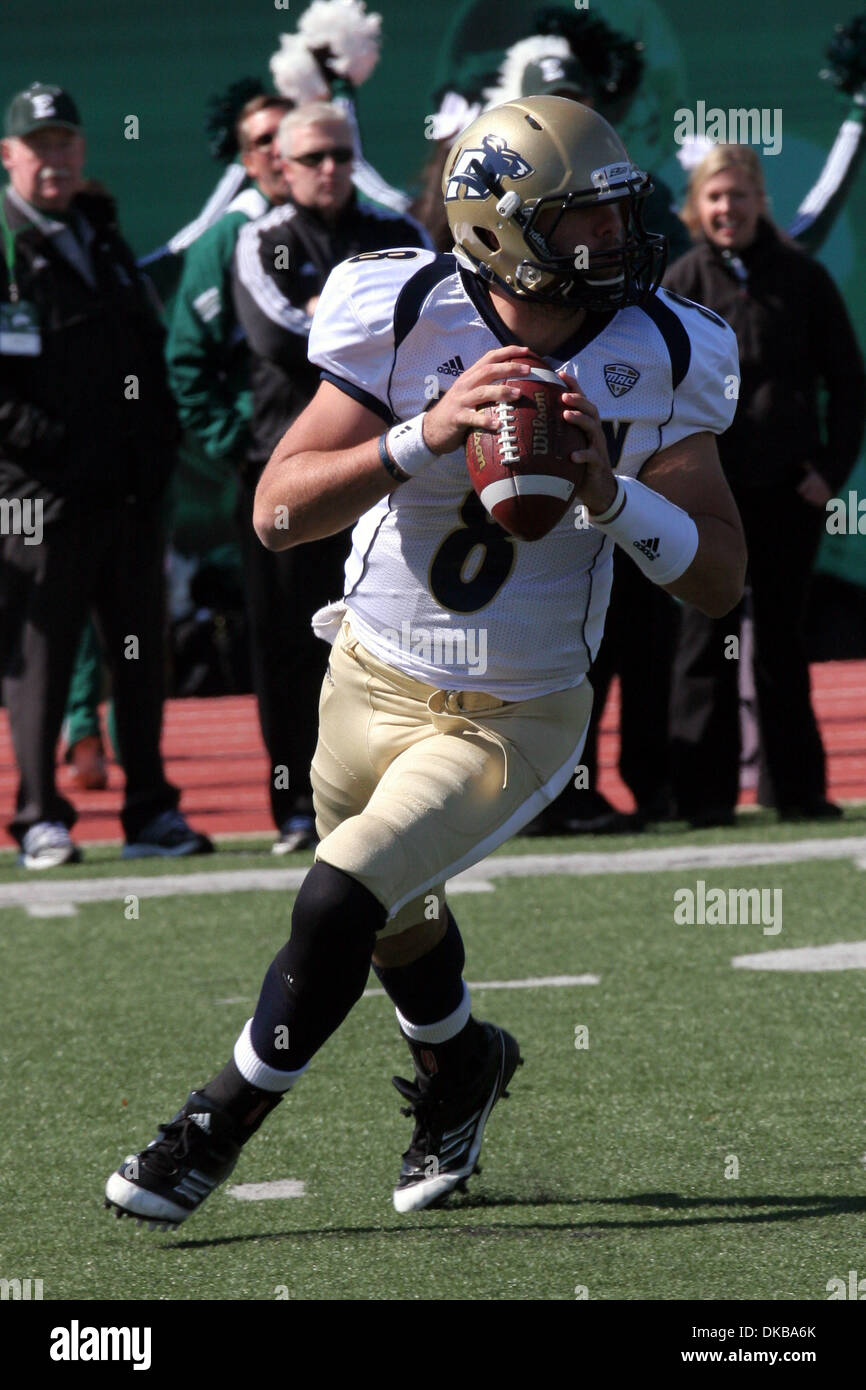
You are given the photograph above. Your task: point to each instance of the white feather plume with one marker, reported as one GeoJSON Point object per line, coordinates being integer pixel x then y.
{"type": "Point", "coordinates": [517, 60]}
{"type": "Point", "coordinates": [343, 26]}
{"type": "Point", "coordinates": [693, 150]}
{"type": "Point", "coordinates": [296, 73]}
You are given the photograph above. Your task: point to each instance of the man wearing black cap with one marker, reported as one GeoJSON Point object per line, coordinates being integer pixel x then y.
{"type": "Point", "coordinates": [87, 433]}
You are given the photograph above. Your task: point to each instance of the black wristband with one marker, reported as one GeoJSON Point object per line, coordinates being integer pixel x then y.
{"type": "Point", "coordinates": [390, 467]}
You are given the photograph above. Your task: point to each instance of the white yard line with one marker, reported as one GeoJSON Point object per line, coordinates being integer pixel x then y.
{"type": "Point", "coordinates": [25, 892]}
{"type": "Point", "coordinates": [842, 955]}
{"type": "Point", "coordinates": [542, 982]}
{"type": "Point", "coordinates": [267, 1191]}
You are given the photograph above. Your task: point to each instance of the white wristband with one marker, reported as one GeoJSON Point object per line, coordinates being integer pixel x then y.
{"type": "Point", "coordinates": [405, 444]}
{"type": "Point", "coordinates": [659, 536]}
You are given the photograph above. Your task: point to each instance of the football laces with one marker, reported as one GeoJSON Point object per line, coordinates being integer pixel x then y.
{"type": "Point", "coordinates": [506, 433]}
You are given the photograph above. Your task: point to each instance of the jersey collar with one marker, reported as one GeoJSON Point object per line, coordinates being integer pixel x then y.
{"type": "Point", "coordinates": [592, 325]}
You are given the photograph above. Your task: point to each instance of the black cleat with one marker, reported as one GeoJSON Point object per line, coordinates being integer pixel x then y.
{"type": "Point", "coordinates": [450, 1125]}
{"type": "Point", "coordinates": [170, 1179]}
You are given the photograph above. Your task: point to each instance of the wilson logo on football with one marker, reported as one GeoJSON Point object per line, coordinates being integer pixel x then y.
{"type": "Point", "coordinates": [619, 378]}
{"type": "Point", "coordinates": [498, 160]}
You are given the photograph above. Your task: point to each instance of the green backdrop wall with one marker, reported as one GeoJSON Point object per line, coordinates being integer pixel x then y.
{"type": "Point", "coordinates": [161, 59]}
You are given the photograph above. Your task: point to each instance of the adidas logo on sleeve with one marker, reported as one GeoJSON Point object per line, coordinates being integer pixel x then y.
{"type": "Point", "coordinates": [648, 548]}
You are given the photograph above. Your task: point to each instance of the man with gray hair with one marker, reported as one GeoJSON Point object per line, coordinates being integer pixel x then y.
{"type": "Point", "coordinates": [87, 436]}
{"type": "Point", "coordinates": [282, 262]}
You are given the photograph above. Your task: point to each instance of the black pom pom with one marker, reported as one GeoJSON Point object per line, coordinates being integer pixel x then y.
{"type": "Point", "coordinates": [846, 56]}
{"type": "Point", "coordinates": [613, 62]}
{"type": "Point", "coordinates": [221, 113]}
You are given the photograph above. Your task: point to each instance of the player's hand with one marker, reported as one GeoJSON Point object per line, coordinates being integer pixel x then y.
{"type": "Point", "coordinates": [461, 409]}
{"type": "Point", "coordinates": [597, 488]}
{"type": "Point", "coordinates": [813, 488]}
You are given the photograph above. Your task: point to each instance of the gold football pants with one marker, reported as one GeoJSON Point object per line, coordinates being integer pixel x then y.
{"type": "Point", "coordinates": [411, 784]}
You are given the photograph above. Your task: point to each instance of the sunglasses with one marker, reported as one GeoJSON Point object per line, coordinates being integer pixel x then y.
{"type": "Point", "coordinates": [341, 155]}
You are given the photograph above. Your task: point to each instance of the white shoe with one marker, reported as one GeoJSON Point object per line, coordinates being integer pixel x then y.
{"type": "Point", "coordinates": [297, 833]}
{"type": "Point", "coordinates": [46, 845]}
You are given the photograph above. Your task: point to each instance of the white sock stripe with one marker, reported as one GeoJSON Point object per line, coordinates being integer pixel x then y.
{"type": "Point", "coordinates": [257, 1072]}
{"type": "Point", "coordinates": [443, 1030]}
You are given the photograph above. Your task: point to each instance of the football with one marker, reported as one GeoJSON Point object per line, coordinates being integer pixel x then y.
{"type": "Point", "coordinates": [523, 472]}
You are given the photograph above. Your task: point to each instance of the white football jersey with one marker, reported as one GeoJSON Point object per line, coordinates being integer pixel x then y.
{"type": "Point", "coordinates": [433, 585]}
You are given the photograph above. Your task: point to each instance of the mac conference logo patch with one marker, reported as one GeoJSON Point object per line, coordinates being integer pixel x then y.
{"type": "Point", "coordinates": [620, 378]}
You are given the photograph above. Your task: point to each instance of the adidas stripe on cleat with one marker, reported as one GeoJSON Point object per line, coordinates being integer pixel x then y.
{"type": "Point", "coordinates": [450, 1124]}
{"type": "Point", "coordinates": [170, 1179]}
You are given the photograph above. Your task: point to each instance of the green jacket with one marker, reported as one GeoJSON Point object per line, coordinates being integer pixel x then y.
{"type": "Point", "coordinates": [208, 360]}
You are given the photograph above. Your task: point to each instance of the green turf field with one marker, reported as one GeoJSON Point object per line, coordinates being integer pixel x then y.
{"type": "Point", "coordinates": [606, 1170]}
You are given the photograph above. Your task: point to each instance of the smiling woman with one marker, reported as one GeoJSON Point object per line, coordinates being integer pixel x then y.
{"type": "Point", "coordinates": [794, 439]}
{"type": "Point", "coordinates": [726, 197]}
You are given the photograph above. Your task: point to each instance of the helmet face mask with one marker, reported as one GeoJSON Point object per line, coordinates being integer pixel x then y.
{"type": "Point", "coordinates": [600, 280]}
{"type": "Point", "coordinates": [531, 162]}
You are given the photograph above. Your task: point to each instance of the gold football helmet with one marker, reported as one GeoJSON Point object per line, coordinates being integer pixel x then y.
{"type": "Point", "coordinates": [517, 161]}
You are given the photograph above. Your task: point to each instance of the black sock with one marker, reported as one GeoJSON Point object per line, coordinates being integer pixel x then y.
{"type": "Point", "coordinates": [428, 991]}
{"type": "Point", "coordinates": [247, 1105]}
{"type": "Point", "coordinates": [320, 973]}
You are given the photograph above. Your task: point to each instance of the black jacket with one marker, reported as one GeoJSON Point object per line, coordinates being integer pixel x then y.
{"type": "Point", "coordinates": [794, 337]}
{"type": "Point", "coordinates": [70, 423]}
{"type": "Point", "coordinates": [283, 260]}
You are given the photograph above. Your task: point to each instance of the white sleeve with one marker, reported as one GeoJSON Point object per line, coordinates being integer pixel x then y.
{"type": "Point", "coordinates": [352, 337]}
{"type": "Point", "coordinates": [706, 396]}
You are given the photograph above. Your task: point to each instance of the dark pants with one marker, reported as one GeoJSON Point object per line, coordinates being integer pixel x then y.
{"type": "Point", "coordinates": [782, 534]}
{"type": "Point", "coordinates": [637, 646]}
{"type": "Point", "coordinates": [283, 591]}
{"type": "Point", "coordinates": [101, 559]}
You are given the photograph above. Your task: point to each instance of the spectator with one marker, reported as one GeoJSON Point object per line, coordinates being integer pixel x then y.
{"type": "Point", "coordinates": [282, 262]}
{"type": "Point", "coordinates": [87, 432]}
{"type": "Point", "coordinates": [208, 360]}
{"type": "Point", "coordinates": [784, 456]}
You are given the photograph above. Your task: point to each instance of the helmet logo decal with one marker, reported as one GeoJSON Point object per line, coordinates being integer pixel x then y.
{"type": "Point", "coordinates": [620, 378]}
{"type": "Point", "coordinates": [498, 161]}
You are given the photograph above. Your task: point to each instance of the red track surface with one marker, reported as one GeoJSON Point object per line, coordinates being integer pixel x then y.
{"type": "Point", "coordinates": [214, 753]}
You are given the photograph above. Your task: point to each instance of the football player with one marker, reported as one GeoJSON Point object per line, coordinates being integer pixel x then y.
{"type": "Point", "coordinates": [429, 757]}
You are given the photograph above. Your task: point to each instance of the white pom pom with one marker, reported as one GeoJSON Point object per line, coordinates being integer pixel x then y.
{"type": "Point", "coordinates": [693, 150]}
{"type": "Point", "coordinates": [352, 35]}
{"type": "Point", "coordinates": [296, 73]}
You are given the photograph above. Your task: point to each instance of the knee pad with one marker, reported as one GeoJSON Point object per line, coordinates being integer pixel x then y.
{"type": "Point", "coordinates": [321, 971]}
{"type": "Point", "coordinates": [333, 916]}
